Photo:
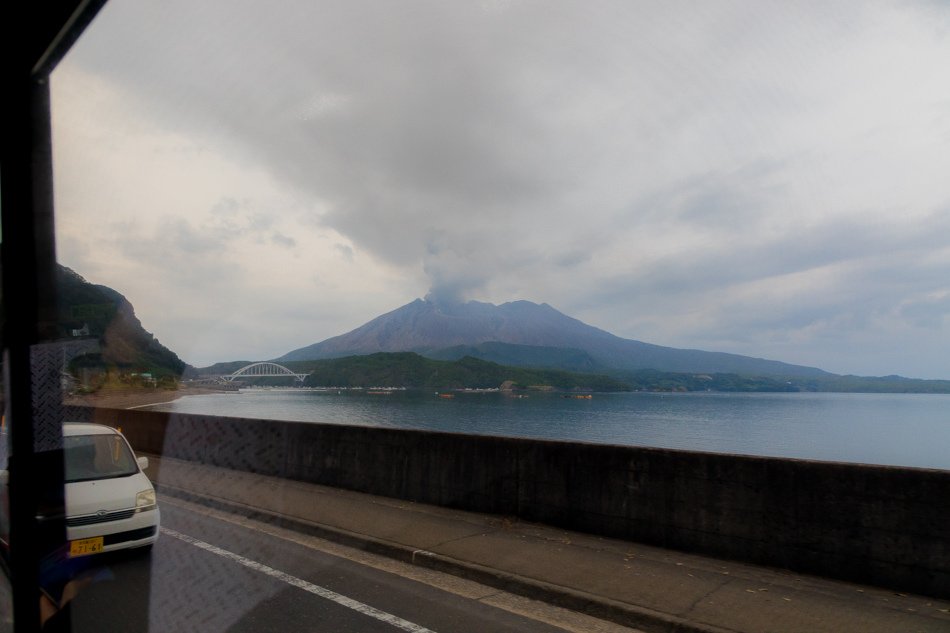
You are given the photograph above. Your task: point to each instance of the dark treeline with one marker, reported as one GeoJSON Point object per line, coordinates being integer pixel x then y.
{"type": "Point", "coordinates": [412, 371]}
{"type": "Point", "coordinates": [406, 369]}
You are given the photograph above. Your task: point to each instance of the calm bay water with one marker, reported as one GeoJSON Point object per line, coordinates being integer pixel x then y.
{"type": "Point", "coordinates": [896, 429]}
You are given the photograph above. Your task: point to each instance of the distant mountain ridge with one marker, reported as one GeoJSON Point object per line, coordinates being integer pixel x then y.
{"type": "Point", "coordinates": [521, 330]}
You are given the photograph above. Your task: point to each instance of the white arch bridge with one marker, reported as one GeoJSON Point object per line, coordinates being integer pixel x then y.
{"type": "Point", "coordinates": [262, 370]}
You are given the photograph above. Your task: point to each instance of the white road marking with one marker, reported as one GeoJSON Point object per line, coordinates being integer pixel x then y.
{"type": "Point", "coordinates": [553, 616]}
{"type": "Point", "coordinates": [340, 599]}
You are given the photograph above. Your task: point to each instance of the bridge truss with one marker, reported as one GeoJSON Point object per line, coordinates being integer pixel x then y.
{"type": "Point", "coordinates": [264, 370]}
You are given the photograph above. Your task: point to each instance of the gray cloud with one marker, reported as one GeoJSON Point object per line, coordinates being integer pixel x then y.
{"type": "Point", "coordinates": [876, 263]}
{"type": "Point", "coordinates": [615, 160]}
{"type": "Point", "coordinates": [345, 251]}
{"type": "Point", "coordinates": [283, 240]}
{"type": "Point", "coordinates": [572, 259]}
{"type": "Point", "coordinates": [931, 312]}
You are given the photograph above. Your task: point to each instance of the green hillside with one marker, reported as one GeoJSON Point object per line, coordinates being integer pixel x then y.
{"type": "Point", "coordinates": [873, 384]}
{"type": "Point", "coordinates": [103, 343]}
{"type": "Point", "coordinates": [535, 356]}
{"type": "Point", "coordinates": [407, 369]}
{"type": "Point", "coordinates": [649, 380]}
{"type": "Point", "coordinates": [412, 371]}
{"type": "Point", "coordinates": [90, 311]}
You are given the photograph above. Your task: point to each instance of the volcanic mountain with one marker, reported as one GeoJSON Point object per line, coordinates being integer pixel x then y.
{"type": "Point", "coordinates": [526, 333]}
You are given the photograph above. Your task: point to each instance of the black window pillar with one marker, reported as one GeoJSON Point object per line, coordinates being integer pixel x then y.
{"type": "Point", "coordinates": [34, 37]}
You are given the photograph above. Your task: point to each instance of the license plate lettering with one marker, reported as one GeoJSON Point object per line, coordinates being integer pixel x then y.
{"type": "Point", "coordinates": [85, 546]}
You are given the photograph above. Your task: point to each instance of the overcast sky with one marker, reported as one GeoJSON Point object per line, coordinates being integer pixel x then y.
{"type": "Point", "coordinates": [769, 179]}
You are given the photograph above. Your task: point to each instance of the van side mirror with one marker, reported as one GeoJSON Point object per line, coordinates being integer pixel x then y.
{"type": "Point", "coordinates": [142, 462]}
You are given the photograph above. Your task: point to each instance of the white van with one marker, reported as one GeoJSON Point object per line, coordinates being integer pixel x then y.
{"type": "Point", "coordinates": [110, 503]}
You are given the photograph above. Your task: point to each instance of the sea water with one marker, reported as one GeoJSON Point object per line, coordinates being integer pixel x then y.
{"type": "Point", "coordinates": [894, 429]}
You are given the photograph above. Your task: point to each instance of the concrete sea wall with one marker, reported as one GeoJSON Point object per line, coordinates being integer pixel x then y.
{"type": "Point", "coordinates": [872, 524]}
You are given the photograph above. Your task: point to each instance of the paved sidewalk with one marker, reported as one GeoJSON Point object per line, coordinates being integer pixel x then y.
{"type": "Point", "coordinates": [632, 584]}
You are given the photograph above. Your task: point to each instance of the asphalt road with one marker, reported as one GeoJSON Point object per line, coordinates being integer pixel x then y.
{"type": "Point", "coordinates": [209, 572]}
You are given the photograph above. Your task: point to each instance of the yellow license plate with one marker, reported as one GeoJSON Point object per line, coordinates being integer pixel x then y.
{"type": "Point", "coordinates": [85, 546]}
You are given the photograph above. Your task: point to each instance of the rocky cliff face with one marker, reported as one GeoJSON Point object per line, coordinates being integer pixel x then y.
{"type": "Point", "coordinates": [98, 312]}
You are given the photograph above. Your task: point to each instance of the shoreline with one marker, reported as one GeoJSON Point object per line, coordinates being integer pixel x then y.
{"type": "Point", "coordinates": [133, 399]}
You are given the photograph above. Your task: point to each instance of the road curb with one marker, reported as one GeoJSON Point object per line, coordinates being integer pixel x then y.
{"type": "Point", "coordinates": [596, 606]}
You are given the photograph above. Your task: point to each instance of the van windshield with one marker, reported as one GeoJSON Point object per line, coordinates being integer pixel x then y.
{"type": "Point", "coordinates": [97, 457]}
